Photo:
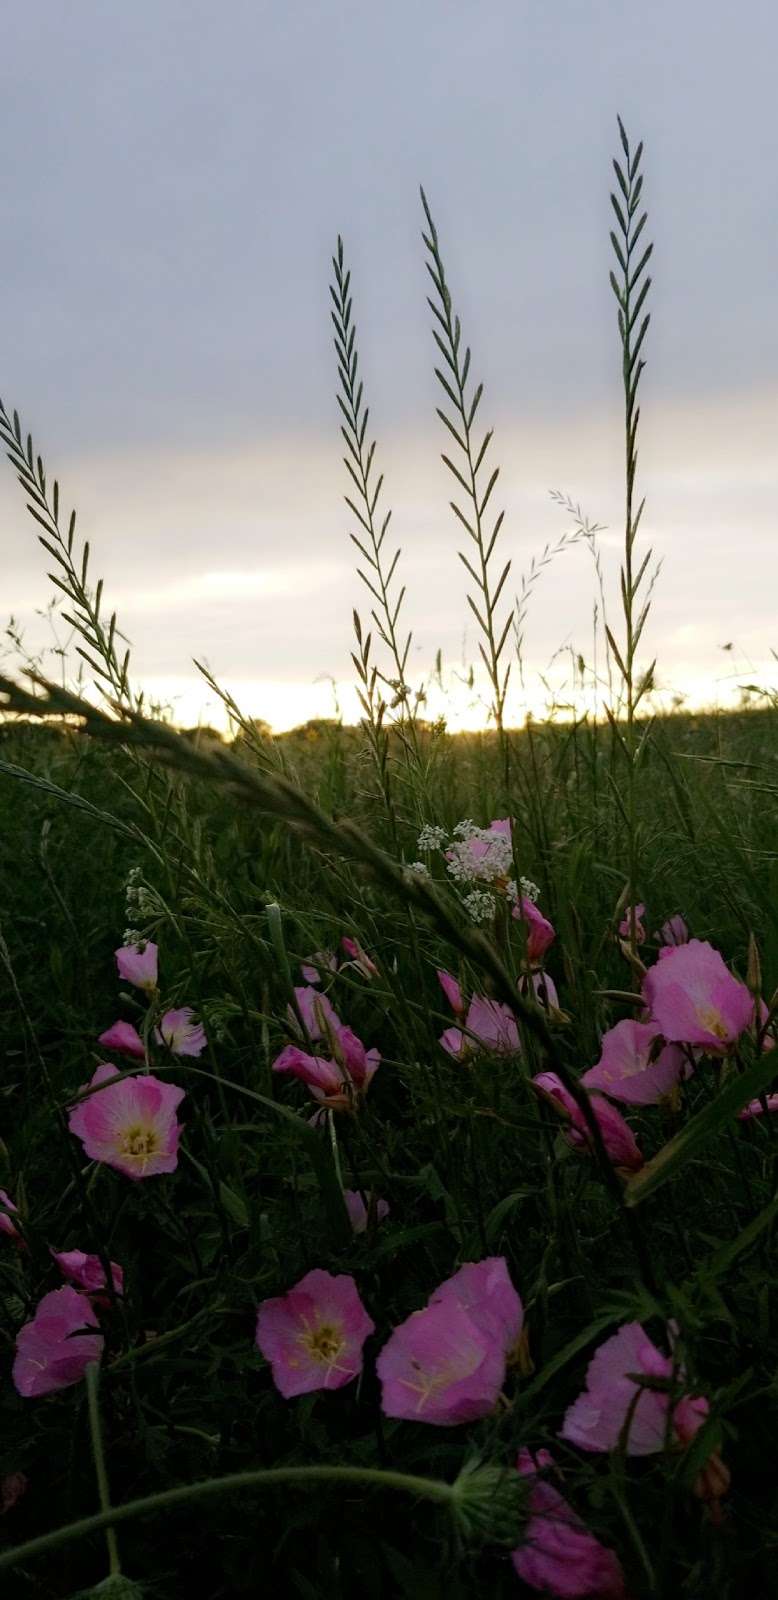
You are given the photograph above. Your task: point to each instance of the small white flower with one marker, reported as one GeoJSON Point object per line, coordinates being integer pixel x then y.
{"type": "Point", "coordinates": [530, 889]}
{"type": "Point", "coordinates": [418, 869]}
{"type": "Point", "coordinates": [431, 837]}
{"type": "Point", "coordinates": [479, 905]}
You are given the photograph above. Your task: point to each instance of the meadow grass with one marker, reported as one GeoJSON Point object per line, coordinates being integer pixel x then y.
{"type": "Point", "coordinates": [180, 1463]}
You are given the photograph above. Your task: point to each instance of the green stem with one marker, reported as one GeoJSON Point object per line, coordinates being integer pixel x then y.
{"type": "Point", "coordinates": [406, 1483]}
{"type": "Point", "coordinates": [92, 1375]}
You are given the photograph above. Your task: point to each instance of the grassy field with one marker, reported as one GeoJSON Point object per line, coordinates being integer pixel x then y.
{"type": "Point", "coordinates": [388, 1169]}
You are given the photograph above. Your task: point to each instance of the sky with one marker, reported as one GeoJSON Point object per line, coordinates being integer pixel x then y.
{"type": "Point", "coordinates": [174, 175]}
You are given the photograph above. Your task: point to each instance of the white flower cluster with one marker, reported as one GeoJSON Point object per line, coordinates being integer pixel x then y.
{"type": "Point", "coordinates": [480, 905]}
{"type": "Point", "coordinates": [141, 902]}
{"type": "Point", "coordinates": [431, 837]}
{"type": "Point", "coordinates": [418, 869]}
{"type": "Point", "coordinates": [481, 857]}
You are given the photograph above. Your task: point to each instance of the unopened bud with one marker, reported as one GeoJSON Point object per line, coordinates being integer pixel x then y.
{"type": "Point", "coordinates": [489, 1504]}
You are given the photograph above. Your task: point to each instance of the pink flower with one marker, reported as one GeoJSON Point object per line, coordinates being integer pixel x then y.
{"type": "Point", "coordinates": [540, 933]}
{"type": "Point", "coordinates": [544, 991]}
{"type": "Point", "coordinates": [130, 1125]}
{"type": "Point", "coordinates": [319, 1017]}
{"type": "Point", "coordinates": [452, 992]}
{"type": "Point", "coordinates": [559, 1556]}
{"type": "Point", "coordinates": [181, 1033]}
{"type": "Point", "coordinates": [87, 1271]}
{"type": "Point", "coordinates": [360, 958]}
{"type": "Point", "coordinates": [12, 1487]}
{"type": "Point", "coordinates": [484, 1290]}
{"type": "Point", "coordinates": [695, 1000]}
{"type": "Point", "coordinates": [6, 1225]}
{"type": "Point", "coordinates": [123, 1037]}
{"type": "Point", "coordinates": [137, 964]}
{"type": "Point", "coordinates": [322, 961]}
{"type": "Point", "coordinates": [753, 1109]}
{"type": "Point", "coordinates": [617, 1136]}
{"type": "Point", "coordinates": [616, 1412]}
{"type": "Point", "coordinates": [358, 1212]}
{"type": "Point", "coordinates": [493, 1026]}
{"type": "Point", "coordinates": [636, 1066]}
{"type": "Point", "coordinates": [324, 1078]}
{"type": "Point", "coordinates": [50, 1352]}
{"type": "Point", "coordinates": [625, 926]}
{"type": "Point", "coordinates": [440, 1366]}
{"type": "Point", "coordinates": [672, 932]}
{"type": "Point", "coordinates": [313, 1336]}
{"type": "Point", "coordinates": [352, 1061]}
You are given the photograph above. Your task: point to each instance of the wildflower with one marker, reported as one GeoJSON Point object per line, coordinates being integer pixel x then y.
{"type": "Point", "coordinates": [362, 961]}
{"type": "Point", "coordinates": [481, 855]}
{"type": "Point", "coordinates": [51, 1352]}
{"type": "Point", "coordinates": [325, 1079]}
{"type": "Point", "coordinates": [484, 1290]}
{"type": "Point", "coordinates": [673, 932]}
{"type": "Point", "coordinates": [137, 964]}
{"type": "Point", "coordinates": [431, 837]}
{"type": "Point", "coordinates": [480, 905]}
{"type": "Point", "coordinates": [558, 1554]}
{"type": "Point", "coordinates": [616, 1412]}
{"type": "Point", "coordinates": [318, 1015]}
{"type": "Point", "coordinates": [6, 1225]}
{"type": "Point", "coordinates": [540, 933]}
{"type": "Point", "coordinates": [452, 991]}
{"type": "Point", "coordinates": [181, 1033]}
{"type": "Point", "coordinates": [358, 1212]}
{"type": "Point", "coordinates": [322, 961]}
{"type": "Point", "coordinates": [87, 1272]}
{"type": "Point", "coordinates": [636, 1066]}
{"type": "Point", "coordinates": [12, 1486]}
{"type": "Point", "coordinates": [625, 926]}
{"type": "Point", "coordinates": [122, 1037]}
{"type": "Point", "coordinates": [755, 1108]}
{"type": "Point", "coordinates": [313, 1336]}
{"type": "Point", "coordinates": [487, 1026]}
{"type": "Point", "coordinates": [617, 1136]}
{"type": "Point", "coordinates": [440, 1366]}
{"type": "Point", "coordinates": [694, 999]}
{"type": "Point", "coordinates": [544, 991]}
{"type": "Point", "coordinates": [418, 869]}
{"type": "Point", "coordinates": [351, 1061]}
{"type": "Point", "coordinates": [130, 1125]}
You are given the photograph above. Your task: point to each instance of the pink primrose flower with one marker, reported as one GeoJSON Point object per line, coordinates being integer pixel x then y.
{"type": "Point", "coordinates": [362, 961]}
{"type": "Point", "coordinates": [617, 1136]}
{"type": "Point", "coordinates": [179, 1031]}
{"type": "Point", "coordinates": [440, 1366]}
{"type": "Point", "coordinates": [130, 1125]}
{"type": "Point", "coordinates": [753, 1109]}
{"type": "Point", "coordinates": [313, 1336]}
{"type": "Point", "coordinates": [452, 991]}
{"type": "Point", "coordinates": [540, 933]}
{"type": "Point", "coordinates": [625, 926]}
{"type": "Point", "coordinates": [6, 1225]}
{"type": "Point", "coordinates": [616, 1412]}
{"type": "Point", "coordinates": [323, 961]}
{"type": "Point", "coordinates": [358, 1211]}
{"type": "Point", "coordinates": [86, 1272]}
{"type": "Point", "coordinates": [636, 1066]}
{"type": "Point", "coordinates": [493, 1026]}
{"type": "Point", "coordinates": [558, 1555]}
{"type": "Point", "coordinates": [694, 999]}
{"type": "Point", "coordinates": [137, 964]}
{"type": "Point", "coordinates": [122, 1037]}
{"type": "Point", "coordinates": [484, 1290]}
{"type": "Point", "coordinates": [51, 1352]}
{"type": "Point", "coordinates": [673, 932]}
{"type": "Point", "coordinates": [324, 1078]}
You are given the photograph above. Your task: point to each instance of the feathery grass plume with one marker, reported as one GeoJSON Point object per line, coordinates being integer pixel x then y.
{"type": "Point", "coordinates": [631, 290]}
{"type": "Point", "coordinates": [71, 578]}
{"type": "Point", "coordinates": [582, 530]}
{"type": "Point", "coordinates": [380, 562]}
{"type": "Point", "coordinates": [470, 476]}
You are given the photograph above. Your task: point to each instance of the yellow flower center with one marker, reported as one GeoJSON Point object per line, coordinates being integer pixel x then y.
{"type": "Point", "coordinates": [139, 1143]}
{"type": "Point", "coordinates": [324, 1342]}
{"type": "Point", "coordinates": [712, 1021]}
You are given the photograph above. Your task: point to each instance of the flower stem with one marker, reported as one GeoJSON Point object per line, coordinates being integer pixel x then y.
{"type": "Point", "coordinates": [101, 1471]}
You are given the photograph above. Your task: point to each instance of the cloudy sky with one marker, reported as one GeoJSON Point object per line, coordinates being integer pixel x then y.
{"type": "Point", "coordinates": [174, 174]}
